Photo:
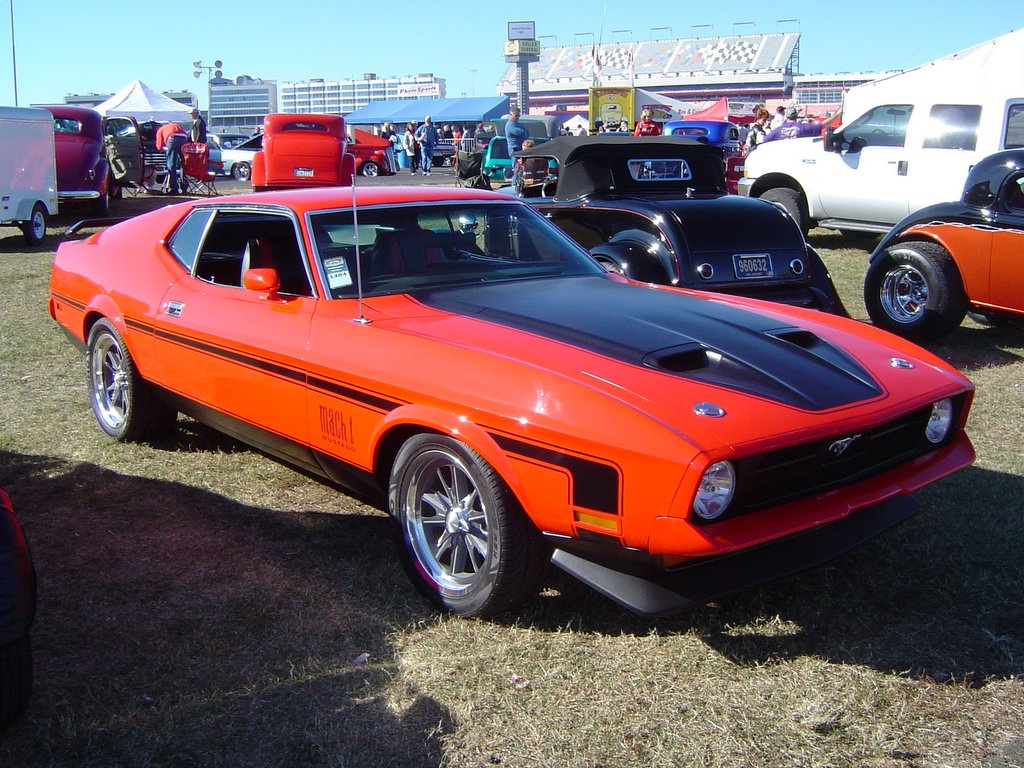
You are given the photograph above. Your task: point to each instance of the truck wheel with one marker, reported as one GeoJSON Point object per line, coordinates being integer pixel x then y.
{"type": "Point", "coordinates": [35, 228]}
{"type": "Point", "coordinates": [464, 540]}
{"type": "Point", "coordinates": [793, 202]}
{"type": "Point", "coordinates": [914, 290]}
{"type": "Point", "coordinates": [370, 169]}
{"type": "Point", "coordinates": [241, 171]}
{"type": "Point", "coordinates": [123, 403]}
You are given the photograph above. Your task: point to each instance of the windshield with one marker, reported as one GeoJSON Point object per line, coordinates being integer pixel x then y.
{"type": "Point", "coordinates": [403, 249]}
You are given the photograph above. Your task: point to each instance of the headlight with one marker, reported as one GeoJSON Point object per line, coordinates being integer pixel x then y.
{"type": "Point", "coordinates": [715, 491]}
{"type": "Point", "coordinates": [940, 420]}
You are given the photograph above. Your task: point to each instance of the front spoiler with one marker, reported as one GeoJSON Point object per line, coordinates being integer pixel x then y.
{"type": "Point", "coordinates": [663, 592]}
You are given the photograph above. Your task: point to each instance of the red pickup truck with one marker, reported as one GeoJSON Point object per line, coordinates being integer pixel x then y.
{"type": "Point", "coordinates": [302, 151]}
{"type": "Point", "coordinates": [315, 151]}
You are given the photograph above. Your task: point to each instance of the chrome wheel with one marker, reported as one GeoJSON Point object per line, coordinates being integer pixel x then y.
{"type": "Point", "coordinates": [370, 169]}
{"type": "Point", "coordinates": [463, 539]}
{"type": "Point", "coordinates": [109, 383]}
{"type": "Point", "coordinates": [904, 293]}
{"type": "Point", "coordinates": [241, 171]}
{"type": "Point", "coordinates": [448, 523]}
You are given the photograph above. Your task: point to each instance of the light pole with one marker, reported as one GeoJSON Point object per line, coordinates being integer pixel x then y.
{"type": "Point", "coordinates": [472, 81]}
{"type": "Point", "coordinates": [14, 57]}
{"type": "Point", "coordinates": [701, 26]}
{"type": "Point", "coordinates": [627, 32]}
{"type": "Point", "coordinates": [549, 37]}
{"type": "Point", "coordinates": [211, 72]}
{"type": "Point", "coordinates": [660, 29]}
{"type": "Point", "coordinates": [743, 24]}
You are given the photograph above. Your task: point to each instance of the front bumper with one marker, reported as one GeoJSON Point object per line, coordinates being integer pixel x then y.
{"type": "Point", "coordinates": [650, 591]}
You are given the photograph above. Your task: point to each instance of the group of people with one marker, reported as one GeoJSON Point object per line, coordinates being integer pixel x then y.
{"type": "Point", "coordinates": [645, 126]}
{"type": "Point", "coordinates": [785, 124]}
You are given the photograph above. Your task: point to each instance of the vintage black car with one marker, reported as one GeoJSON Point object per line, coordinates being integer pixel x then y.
{"type": "Point", "coordinates": [656, 209]}
{"type": "Point", "coordinates": [952, 258]}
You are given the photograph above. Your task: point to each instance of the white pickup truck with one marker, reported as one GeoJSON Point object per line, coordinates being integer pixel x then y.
{"type": "Point", "coordinates": [907, 141]}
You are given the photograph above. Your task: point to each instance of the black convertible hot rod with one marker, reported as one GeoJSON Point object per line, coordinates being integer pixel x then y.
{"type": "Point", "coordinates": [656, 209]}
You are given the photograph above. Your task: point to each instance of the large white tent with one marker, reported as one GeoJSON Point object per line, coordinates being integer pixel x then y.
{"type": "Point", "coordinates": [140, 101]}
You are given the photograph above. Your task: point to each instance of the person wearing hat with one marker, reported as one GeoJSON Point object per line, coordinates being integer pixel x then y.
{"type": "Point", "coordinates": [791, 128]}
{"type": "Point", "coordinates": [198, 132]}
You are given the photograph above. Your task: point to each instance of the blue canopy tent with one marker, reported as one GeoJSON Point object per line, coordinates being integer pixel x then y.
{"type": "Point", "coordinates": [440, 110]}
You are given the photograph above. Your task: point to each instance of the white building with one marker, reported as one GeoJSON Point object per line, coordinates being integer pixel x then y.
{"type": "Point", "coordinates": [339, 97]}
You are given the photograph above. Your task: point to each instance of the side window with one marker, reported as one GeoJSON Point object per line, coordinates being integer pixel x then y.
{"type": "Point", "coordinates": [1015, 193]}
{"type": "Point", "coordinates": [241, 240]}
{"type": "Point", "coordinates": [953, 126]}
{"type": "Point", "coordinates": [591, 227]}
{"type": "Point", "coordinates": [184, 244]}
{"type": "Point", "coordinates": [882, 126]}
{"type": "Point", "coordinates": [1014, 138]}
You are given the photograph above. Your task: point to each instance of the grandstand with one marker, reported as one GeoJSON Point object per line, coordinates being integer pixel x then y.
{"type": "Point", "coordinates": [748, 67]}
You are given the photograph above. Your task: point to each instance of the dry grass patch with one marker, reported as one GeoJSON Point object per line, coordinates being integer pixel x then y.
{"type": "Point", "coordinates": [201, 605]}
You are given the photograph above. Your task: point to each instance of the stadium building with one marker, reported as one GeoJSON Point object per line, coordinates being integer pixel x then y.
{"type": "Point", "coordinates": [745, 68]}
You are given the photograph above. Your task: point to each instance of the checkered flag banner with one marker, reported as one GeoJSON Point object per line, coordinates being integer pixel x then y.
{"type": "Point", "coordinates": [742, 51]}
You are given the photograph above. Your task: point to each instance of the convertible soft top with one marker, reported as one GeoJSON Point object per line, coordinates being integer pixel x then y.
{"type": "Point", "coordinates": [598, 164]}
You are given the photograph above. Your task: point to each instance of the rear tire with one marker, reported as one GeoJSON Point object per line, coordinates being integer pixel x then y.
{"type": "Point", "coordinates": [465, 542]}
{"type": "Point", "coordinates": [124, 404]}
{"type": "Point", "coordinates": [915, 291]}
{"type": "Point", "coordinates": [35, 228]}
{"type": "Point", "coordinates": [793, 202]}
{"type": "Point", "coordinates": [241, 171]}
{"type": "Point", "coordinates": [370, 169]}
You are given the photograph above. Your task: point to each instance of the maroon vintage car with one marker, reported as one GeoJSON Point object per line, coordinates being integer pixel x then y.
{"type": "Point", "coordinates": [96, 156]}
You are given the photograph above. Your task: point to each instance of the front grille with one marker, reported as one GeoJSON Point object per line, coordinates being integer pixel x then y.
{"type": "Point", "coordinates": [808, 469]}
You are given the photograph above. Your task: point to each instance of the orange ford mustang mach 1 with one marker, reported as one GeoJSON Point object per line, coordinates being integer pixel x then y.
{"type": "Point", "coordinates": [454, 353]}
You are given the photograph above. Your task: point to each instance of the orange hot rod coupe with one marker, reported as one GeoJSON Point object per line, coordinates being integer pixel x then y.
{"type": "Point", "coordinates": [453, 352]}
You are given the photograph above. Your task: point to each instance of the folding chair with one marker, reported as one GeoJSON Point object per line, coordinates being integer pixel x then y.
{"type": "Point", "coordinates": [197, 176]}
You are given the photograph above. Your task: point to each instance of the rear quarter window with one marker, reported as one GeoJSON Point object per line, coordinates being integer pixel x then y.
{"type": "Point", "coordinates": [953, 126]}
{"type": "Point", "coordinates": [1014, 138]}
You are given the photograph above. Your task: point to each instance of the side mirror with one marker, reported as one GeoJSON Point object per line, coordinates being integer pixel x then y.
{"type": "Point", "coordinates": [833, 140]}
{"type": "Point", "coordinates": [264, 279]}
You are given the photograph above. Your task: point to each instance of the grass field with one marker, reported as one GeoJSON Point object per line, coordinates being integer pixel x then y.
{"type": "Point", "coordinates": [201, 605]}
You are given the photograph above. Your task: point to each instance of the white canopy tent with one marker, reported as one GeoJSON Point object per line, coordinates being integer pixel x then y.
{"type": "Point", "coordinates": [140, 101]}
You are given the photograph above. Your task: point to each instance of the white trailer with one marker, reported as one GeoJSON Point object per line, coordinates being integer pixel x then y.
{"type": "Point", "coordinates": [28, 170]}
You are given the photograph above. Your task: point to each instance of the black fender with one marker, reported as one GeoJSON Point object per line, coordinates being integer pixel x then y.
{"type": "Point", "coordinates": [822, 286]}
{"type": "Point", "coordinates": [639, 255]}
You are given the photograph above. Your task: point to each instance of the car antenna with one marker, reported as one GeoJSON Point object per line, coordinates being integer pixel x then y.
{"type": "Point", "coordinates": [361, 318]}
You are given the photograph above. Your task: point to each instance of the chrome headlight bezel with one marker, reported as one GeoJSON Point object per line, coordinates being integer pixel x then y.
{"type": "Point", "coordinates": [940, 421]}
{"type": "Point", "coordinates": [715, 491]}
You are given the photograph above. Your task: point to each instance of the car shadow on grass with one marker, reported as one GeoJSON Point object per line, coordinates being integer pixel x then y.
{"type": "Point", "coordinates": [177, 626]}
{"type": "Point", "coordinates": [938, 597]}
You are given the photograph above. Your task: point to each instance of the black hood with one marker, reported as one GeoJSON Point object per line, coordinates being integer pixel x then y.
{"type": "Point", "coordinates": [691, 337]}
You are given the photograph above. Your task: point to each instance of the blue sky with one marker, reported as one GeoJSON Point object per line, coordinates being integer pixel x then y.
{"type": "Point", "coordinates": [68, 46]}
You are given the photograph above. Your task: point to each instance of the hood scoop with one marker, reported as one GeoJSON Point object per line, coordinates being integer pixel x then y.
{"type": "Point", "coordinates": [717, 343]}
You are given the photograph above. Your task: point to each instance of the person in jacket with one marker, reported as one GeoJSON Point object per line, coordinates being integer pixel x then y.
{"type": "Point", "coordinates": [411, 150]}
{"type": "Point", "coordinates": [646, 125]}
{"type": "Point", "coordinates": [198, 132]}
{"type": "Point", "coordinates": [515, 132]}
{"type": "Point", "coordinates": [792, 128]}
{"type": "Point", "coordinates": [427, 136]}
{"type": "Point", "coordinates": [171, 137]}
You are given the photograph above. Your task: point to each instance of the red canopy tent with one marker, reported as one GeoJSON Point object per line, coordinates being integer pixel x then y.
{"type": "Point", "coordinates": [717, 111]}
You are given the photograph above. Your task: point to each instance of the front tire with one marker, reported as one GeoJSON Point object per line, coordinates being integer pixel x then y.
{"type": "Point", "coordinates": [463, 538]}
{"type": "Point", "coordinates": [123, 403]}
{"type": "Point", "coordinates": [241, 171]}
{"type": "Point", "coordinates": [915, 291]}
{"type": "Point", "coordinates": [15, 680]}
{"type": "Point", "coordinates": [793, 202]}
{"type": "Point", "coordinates": [35, 228]}
{"type": "Point", "coordinates": [370, 169]}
